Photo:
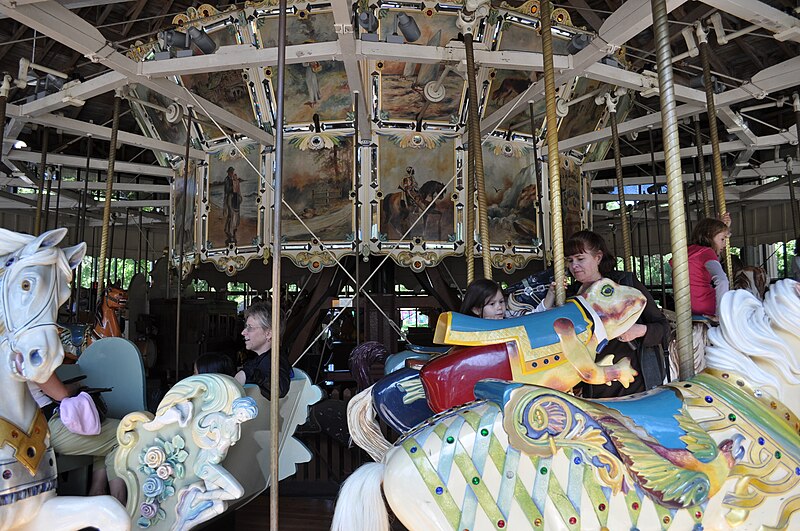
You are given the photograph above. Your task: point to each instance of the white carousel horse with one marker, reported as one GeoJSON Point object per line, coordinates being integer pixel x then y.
{"type": "Point", "coordinates": [718, 451]}
{"type": "Point", "coordinates": [34, 282]}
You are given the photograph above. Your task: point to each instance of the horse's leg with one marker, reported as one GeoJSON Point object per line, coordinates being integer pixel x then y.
{"type": "Point", "coordinates": [75, 512]}
{"type": "Point", "coordinates": [583, 360]}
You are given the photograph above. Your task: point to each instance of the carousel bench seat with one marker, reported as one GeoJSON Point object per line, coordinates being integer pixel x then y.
{"type": "Point", "coordinates": [195, 459]}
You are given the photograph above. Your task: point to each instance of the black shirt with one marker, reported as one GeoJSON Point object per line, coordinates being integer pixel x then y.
{"type": "Point", "coordinates": [257, 371]}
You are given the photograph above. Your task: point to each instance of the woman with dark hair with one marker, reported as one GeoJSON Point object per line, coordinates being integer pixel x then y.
{"type": "Point", "coordinates": [707, 280]}
{"type": "Point", "coordinates": [589, 259]}
{"type": "Point", "coordinates": [214, 364]}
{"type": "Point", "coordinates": [485, 299]}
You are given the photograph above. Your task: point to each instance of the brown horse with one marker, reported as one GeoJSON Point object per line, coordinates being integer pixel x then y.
{"type": "Point", "coordinates": [400, 207]}
{"type": "Point", "coordinates": [106, 324]}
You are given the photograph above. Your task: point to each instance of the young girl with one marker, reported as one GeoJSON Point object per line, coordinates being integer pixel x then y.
{"type": "Point", "coordinates": [707, 280]}
{"type": "Point", "coordinates": [485, 299]}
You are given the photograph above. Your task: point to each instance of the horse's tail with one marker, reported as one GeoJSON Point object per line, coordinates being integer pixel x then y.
{"type": "Point", "coordinates": [364, 429]}
{"type": "Point", "coordinates": [360, 504]}
{"type": "Point", "coordinates": [361, 358]}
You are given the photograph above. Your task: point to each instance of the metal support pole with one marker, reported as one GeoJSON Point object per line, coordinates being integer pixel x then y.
{"type": "Point", "coordinates": [357, 198]}
{"type": "Point", "coordinates": [553, 162]}
{"type": "Point", "coordinates": [274, 417]}
{"type": "Point", "coordinates": [476, 156]}
{"type": "Point", "coordinates": [49, 187]}
{"type": "Point", "coordinates": [792, 198]}
{"type": "Point", "coordinates": [627, 245]}
{"type": "Point", "coordinates": [656, 187]}
{"type": "Point", "coordinates": [181, 240]}
{"type": "Point", "coordinates": [58, 201]}
{"type": "Point", "coordinates": [112, 155]}
{"type": "Point", "coordinates": [701, 164]}
{"type": "Point", "coordinates": [719, 187]}
{"type": "Point", "coordinates": [677, 217]}
{"type": "Point", "coordinates": [37, 227]}
{"type": "Point", "coordinates": [5, 87]}
{"type": "Point", "coordinates": [124, 246]}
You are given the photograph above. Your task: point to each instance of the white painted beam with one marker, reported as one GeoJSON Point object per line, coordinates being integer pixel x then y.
{"type": "Point", "coordinates": [146, 188]}
{"type": "Point", "coordinates": [98, 131]}
{"type": "Point", "coordinates": [71, 161]}
{"type": "Point", "coordinates": [83, 91]}
{"type": "Point", "coordinates": [761, 14]}
{"type": "Point", "coordinates": [342, 18]}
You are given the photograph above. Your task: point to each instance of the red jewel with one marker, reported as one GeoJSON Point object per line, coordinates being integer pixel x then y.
{"type": "Point", "coordinates": [572, 520]}
{"type": "Point", "coordinates": [635, 506]}
{"type": "Point", "coordinates": [698, 515]}
{"type": "Point", "coordinates": [501, 523]}
{"type": "Point", "coordinates": [602, 507]}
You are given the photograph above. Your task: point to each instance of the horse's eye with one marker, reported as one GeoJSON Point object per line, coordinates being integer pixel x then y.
{"type": "Point", "coordinates": [607, 290]}
{"type": "Point", "coordinates": [26, 285]}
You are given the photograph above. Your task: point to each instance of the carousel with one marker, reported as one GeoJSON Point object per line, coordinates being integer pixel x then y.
{"type": "Point", "coordinates": [326, 156]}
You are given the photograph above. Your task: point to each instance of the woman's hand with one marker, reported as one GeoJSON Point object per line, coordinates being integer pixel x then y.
{"type": "Point", "coordinates": [637, 330]}
{"type": "Point", "coordinates": [726, 218]}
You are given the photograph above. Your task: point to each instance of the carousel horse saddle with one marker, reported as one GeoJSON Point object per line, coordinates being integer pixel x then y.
{"type": "Point", "coordinates": [654, 412]}
{"type": "Point", "coordinates": [399, 400]}
{"type": "Point", "coordinates": [534, 333]}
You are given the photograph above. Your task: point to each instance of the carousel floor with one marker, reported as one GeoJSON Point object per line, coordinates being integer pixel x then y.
{"type": "Point", "coordinates": [295, 514]}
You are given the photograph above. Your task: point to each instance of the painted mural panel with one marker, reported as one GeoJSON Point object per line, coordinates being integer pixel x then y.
{"type": "Point", "coordinates": [402, 83]}
{"type": "Point", "coordinates": [169, 132]}
{"type": "Point", "coordinates": [572, 196]}
{"type": "Point", "coordinates": [227, 89]}
{"type": "Point", "coordinates": [583, 116]}
{"type": "Point", "coordinates": [510, 191]}
{"type": "Point", "coordinates": [184, 207]}
{"type": "Point", "coordinates": [410, 179]}
{"type": "Point", "coordinates": [507, 85]}
{"type": "Point", "coordinates": [234, 196]}
{"type": "Point", "coordinates": [522, 38]}
{"type": "Point", "coordinates": [316, 87]}
{"type": "Point", "coordinates": [316, 27]}
{"type": "Point", "coordinates": [317, 185]}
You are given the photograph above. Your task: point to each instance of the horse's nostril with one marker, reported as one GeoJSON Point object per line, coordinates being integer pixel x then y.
{"type": "Point", "coordinates": [35, 358]}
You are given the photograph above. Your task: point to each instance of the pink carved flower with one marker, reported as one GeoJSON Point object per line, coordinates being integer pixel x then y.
{"type": "Point", "coordinates": [164, 471]}
{"type": "Point", "coordinates": [154, 457]}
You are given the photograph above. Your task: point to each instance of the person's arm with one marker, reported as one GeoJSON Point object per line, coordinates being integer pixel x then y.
{"type": "Point", "coordinates": [718, 279]}
{"type": "Point", "coordinates": [55, 389]}
{"type": "Point", "coordinates": [651, 327]}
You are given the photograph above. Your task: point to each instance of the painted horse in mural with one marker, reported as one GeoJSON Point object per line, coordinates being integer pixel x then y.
{"type": "Point", "coordinates": [555, 348]}
{"type": "Point", "coordinates": [77, 337]}
{"type": "Point", "coordinates": [399, 207]}
{"type": "Point", "coordinates": [34, 282]}
{"type": "Point", "coordinates": [720, 450]}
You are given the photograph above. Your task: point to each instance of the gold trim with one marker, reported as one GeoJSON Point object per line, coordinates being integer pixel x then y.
{"type": "Point", "coordinates": [29, 446]}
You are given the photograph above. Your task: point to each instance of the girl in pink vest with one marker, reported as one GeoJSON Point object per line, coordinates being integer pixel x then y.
{"type": "Point", "coordinates": [707, 280]}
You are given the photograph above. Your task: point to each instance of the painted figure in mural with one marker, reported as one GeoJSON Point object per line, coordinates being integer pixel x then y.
{"type": "Point", "coordinates": [312, 82]}
{"type": "Point", "coordinates": [409, 187]}
{"type": "Point", "coordinates": [233, 203]}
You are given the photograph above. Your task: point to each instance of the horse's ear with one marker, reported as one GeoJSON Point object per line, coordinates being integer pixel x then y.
{"type": "Point", "coordinates": [46, 239]}
{"type": "Point", "coordinates": [75, 254]}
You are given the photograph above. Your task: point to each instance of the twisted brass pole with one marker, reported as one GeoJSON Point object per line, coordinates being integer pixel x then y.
{"type": "Point", "coordinates": [719, 186]}
{"type": "Point", "coordinates": [476, 156]}
{"type": "Point", "coordinates": [553, 162]}
{"type": "Point", "coordinates": [112, 156]}
{"type": "Point", "coordinates": [677, 216]}
{"type": "Point", "coordinates": [37, 226]}
{"type": "Point", "coordinates": [701, 164]}
{"type": "Point", "coordinates": [627, 246]}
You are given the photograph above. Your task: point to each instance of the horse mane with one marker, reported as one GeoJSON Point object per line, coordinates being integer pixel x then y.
{"type": "Point", "coordinates": [759, 339]}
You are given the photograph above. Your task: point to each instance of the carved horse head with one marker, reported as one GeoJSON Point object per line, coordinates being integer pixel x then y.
{"type": "Point", "coordinates": [34, 282]}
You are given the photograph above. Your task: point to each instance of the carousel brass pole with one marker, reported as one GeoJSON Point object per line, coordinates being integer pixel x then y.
{"type": "Point", "coordinates": [795, 206]}
{"type": "Point", "coordinates": [537, 171]}
{"type": "Point", "coordinates": [469, 226]}
{"type": "Point", "coordinates": [677, 216]}
{"type": "Point", "coordinates": [792, 198]}
{"type": "Point", "coordinates": [627, 245]}
{"type": "Point", "coordinates": [719, 187]}
{"type": "Point", "coordinates": [476, 155]}
{"type": "Point", "coordinates": [553, 162]}
{"type": "Point", "coordinates": [112, 156]}
{"type": "Point", "coordinates": [274, 395]}
{"type": "Point", "coordinates": [701, 164]}
{"type": "Point", "coordinates": [37, 227]}
{"type": "Point", "coordinates": [181, 240]}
